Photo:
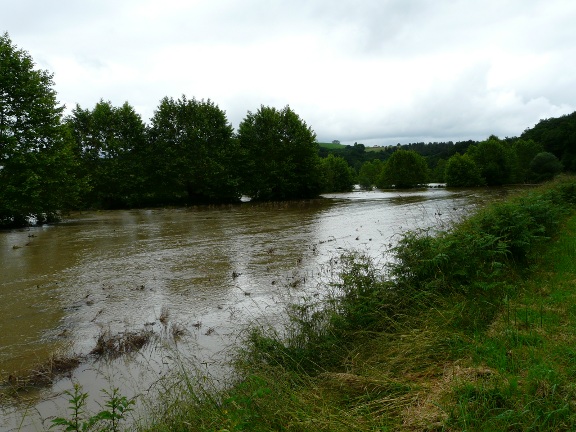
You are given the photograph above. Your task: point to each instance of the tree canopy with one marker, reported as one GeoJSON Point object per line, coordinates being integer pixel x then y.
{"type": "Point", "coordinates": [404, 169]}
{"type": "Point", "coordinates": [494, 160]}
{"type": "Point", "coordinates": [461, 171]}
{"type": "Point", "coordinates": [369, 173]}
{"type": "Point", "coordinates": [195, 156]}
{"type": "Point", "coordinates": [280, 156]}
{"type": "Point", "coordinates": [545, 166]}
{"type": "Point", "coordinates": [338, 175]}
{"type": "Point", "coordinates": [110, 142]}
{"type": "Point", "coordinates": [557, 136]}
{"type": "Point", "coordinates": [37, 164]}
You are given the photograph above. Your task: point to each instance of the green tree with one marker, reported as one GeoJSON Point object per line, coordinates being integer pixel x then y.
{"type": "Point", "coordinates": [37, 164]}
{"type": "Point", "coordinates": [195, 158]}
{"type": "Point", "coordinates": [494, 160]}
{"type": "Point", "coordinates": [369, 173]}
{"type": "Point", "coordinates": [461, 171]}
{"type": "Point", "coordinates": [438, 172]}
{"type": "Point", "coordinates": [338, 175]}
{"type": "Point", "coordinates": [526, 150]}
{"type": "Point", "coordinates": [280, 156]}
{"type": "Point", "coordinates": [545, 166]}
{"type": "Point", "coordinates": [110, 142]}
{"type": "Point", "coordinates": [557, 136]}
{"type": "Point", "coordinates": [404, 169]}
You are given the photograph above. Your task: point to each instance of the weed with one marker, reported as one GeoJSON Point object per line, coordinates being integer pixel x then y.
{"type": "Point", "coordinates": [108, 419]}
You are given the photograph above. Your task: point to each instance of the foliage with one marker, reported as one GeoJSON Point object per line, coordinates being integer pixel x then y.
{"type": "Point", "coordinates": [557, 136]}
{"type": "Point", "coordinates": [280, 156]}
{"type": "Point", "coordinates": [110, 143]}
{"type": "Point", "coordinates": [338, 176]}
{"type": "Point", "coordinates": [525, 151]}
{"type": "Point", "coordinates": [495, 161]}
{"type": "Point", "coordinates": [545, 166]}
{"type": "Point", "coordinates": [461, 171]}
{"type": "Point", "coordinates": [108, 419]}
{"type": "Point", "coordinates": [438, 172]}
{"type": "Point", "coordinates": [369, 173]}
{"type": "Point", "coordinates": [404, 169]}
{"type": "Point", "coordinates": [193, 154]}
{"type": "Point", "coordinates": [37, 164]}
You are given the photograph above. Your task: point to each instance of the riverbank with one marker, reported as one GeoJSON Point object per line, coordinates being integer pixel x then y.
{"type": "Point", "coordinates": [468, 329]}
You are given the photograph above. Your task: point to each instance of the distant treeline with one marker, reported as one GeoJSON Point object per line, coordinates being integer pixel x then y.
{"type": "Point", "coordinates": [536, 155]}
{"type": "Point", "coordinates": [108, 157]}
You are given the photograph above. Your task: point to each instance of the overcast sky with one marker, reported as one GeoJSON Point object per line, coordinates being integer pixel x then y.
{"type": "Point", "coordinates": [377, 72]}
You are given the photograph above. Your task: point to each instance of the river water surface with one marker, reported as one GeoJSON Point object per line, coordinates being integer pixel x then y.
{"type": "Point", "coordinates": [206, 271]}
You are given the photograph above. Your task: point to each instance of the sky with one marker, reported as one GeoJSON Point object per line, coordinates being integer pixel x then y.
{"type": "Point", "coordinates": [376, 72]}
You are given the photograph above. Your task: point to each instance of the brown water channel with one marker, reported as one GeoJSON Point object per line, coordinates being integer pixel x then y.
{"type": "Point", "coordinates": [206, 270]}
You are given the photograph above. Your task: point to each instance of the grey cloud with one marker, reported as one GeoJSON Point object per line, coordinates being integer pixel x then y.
{"type": "Point", "coordinates": [376, 70]}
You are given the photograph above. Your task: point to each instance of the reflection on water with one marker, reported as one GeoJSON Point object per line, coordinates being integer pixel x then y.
{"type": "Point", "coordinates": [208, 270]}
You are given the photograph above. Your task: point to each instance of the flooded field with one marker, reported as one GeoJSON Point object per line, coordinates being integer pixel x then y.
{"type": "Point", "coordinates": [188, 279]}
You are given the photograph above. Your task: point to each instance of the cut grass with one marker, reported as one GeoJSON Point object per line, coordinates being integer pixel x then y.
{"type": "Point", "coordinates": [530, 345]}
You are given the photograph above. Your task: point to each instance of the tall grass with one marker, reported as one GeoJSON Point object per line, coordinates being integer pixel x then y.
{"type": "Point", "coordinates": [466, 329]}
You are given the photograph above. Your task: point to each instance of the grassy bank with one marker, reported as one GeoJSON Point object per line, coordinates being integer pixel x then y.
{"type": "Point", "coordinates": [469, 329]}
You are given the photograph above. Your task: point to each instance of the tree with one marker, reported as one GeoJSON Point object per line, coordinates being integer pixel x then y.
{"type": "Point", "coordinates": [369, 173]}
{"type": "Point", "coordinates": [404, 169]}
{"type": "Point", "coordinates": [438, 172]}
{"type": "Point", "coordinates": [494, 160]}
{"type": "Point", "coordinates": [461, 171]}
{"type": "Point", "coordinates": [525, 151]}
{"type": "Point", "coordinates": [280, 156]}
{"type": "Point", "coordinates": [194, 155]}
{"type": "Point", "coordinates": [110, 142]}
{"type": "Point", "coordinates": [557, 136]}
{"type": "Point", "coordinates": [545, 166]}
{"type": "Point", "coordinates": [37, 164]}
{"type": "Point", "coordinates": [338, 175]}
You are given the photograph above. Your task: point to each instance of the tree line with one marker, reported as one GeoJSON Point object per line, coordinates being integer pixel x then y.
{"type": "Point", "coordinates": [107, 157]}
{"type": "Point", "coordinates": [537, 155]}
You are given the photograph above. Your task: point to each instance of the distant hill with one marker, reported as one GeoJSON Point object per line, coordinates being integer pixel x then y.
{"type": "Point", "coordinates": [332, 146]}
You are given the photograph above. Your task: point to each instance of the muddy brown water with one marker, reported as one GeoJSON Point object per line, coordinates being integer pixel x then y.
{"type": "Point", "coordinates": [205, 271]}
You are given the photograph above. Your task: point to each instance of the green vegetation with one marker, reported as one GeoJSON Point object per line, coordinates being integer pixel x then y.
{"type": "Point", "coordinates": [332, 145]}
{"type": "Point", "coordinates": [110, 145]}
{"type": "Point", "coordinates": [109, 418]}
{"type": "Point", "coordinates": [466, 329]}
{"type": "Point", "coordinates": [280, 156]}
{"type": "Point", "coordinates": [37, 163]}
{"type": "Point", "coordinates": [491, 162]}
{"type": "Point", "coordinates": [404, 169]}
{"type": "Point", "coordinates": [338, 175]}
{"type": "Point", "coordinates": [191, 154]}
{"type": "Point", "coordinates": [369, 173]}
{"type": "Point", "coordinates": [461, 171]}
{"type": "Point", "coordinates": [557, 136]}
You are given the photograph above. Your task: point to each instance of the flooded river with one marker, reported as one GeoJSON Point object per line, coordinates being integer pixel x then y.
{"type": "Point", "coordinates": [196, 273]}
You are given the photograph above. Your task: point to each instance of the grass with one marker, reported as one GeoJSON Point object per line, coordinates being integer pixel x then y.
{"type": "Point", "coordinates": [470, 329]}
